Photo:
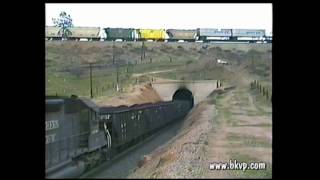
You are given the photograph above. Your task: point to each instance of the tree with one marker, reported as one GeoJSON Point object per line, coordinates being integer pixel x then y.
{"type": "Point", "coordinates": [64, 22]}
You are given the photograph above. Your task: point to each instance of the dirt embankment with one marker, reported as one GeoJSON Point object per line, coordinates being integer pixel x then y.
{"type": "Point", "coordinates": [182, 154]}
{"type": "Point", "coordinates": [138, 94]}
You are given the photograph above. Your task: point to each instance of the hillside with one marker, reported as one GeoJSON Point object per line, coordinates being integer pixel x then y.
{"type": "Point", "coordinates": [67, 69]}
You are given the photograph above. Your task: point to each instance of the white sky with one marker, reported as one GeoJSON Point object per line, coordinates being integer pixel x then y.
{"type": "Point", "coordinates": [166, 16]}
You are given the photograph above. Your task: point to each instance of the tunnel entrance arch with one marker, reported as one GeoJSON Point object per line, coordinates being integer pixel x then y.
{"type": "Point", "coordinates": [183, 94]}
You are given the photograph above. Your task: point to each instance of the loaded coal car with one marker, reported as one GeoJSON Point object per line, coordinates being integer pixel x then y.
{"type": "Point", "coordinates": [181, 34]}
{"type": "Point", "coordinates": [125, 34]}
{"type": "Point", "coordinates": [131, 124]}
{"type": "Point", "coordinates": [80, 135]}
{"type": "Point", "coordinates": [127, 125]}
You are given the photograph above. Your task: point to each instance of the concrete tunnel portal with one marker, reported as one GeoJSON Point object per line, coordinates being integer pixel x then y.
{"type": "Point", "coordinates": [183, 94]}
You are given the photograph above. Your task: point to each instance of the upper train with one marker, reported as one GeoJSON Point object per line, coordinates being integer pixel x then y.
{"type": "Point", "coordinates": [166, 35]}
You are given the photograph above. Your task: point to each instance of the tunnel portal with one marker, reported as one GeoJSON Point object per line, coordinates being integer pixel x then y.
{"type": "Point", "coordinates": [183, 94]}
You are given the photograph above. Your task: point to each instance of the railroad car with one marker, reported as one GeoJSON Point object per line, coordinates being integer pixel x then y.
{"type": "Point", "coordinates": [88, 33]}
{"type": "Point", "coordinates": [124, 34]}
{"type": "Point", "coordinates": [250, 35]}
{"type": "Point", "coordinates": [52, 33]}
{"type": "Point", "coordinates": [207, 34]}
{"type": "Point", "coordinates": [77, 33]}
{"type": "Point", "coordinates": [177, 34]}
{"type": "Point", "coordinates": [248, 32]}
{"type": "Point", "coordinates": [152, 34]}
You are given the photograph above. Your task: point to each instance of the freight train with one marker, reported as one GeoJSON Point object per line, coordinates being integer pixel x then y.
{"type": "Point", "coordinates": [169, 35]}
{"type": "Point", "coordinates": [80, 135]}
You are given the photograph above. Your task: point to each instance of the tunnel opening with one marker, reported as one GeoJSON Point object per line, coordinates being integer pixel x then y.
{"type": "Point", "coordinates": [183, 94]}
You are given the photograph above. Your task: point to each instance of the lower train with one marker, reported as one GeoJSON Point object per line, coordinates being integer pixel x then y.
{"type": "Point", "coordinates": [80, 135]}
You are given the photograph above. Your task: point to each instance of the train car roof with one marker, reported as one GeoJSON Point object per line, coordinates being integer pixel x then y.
{"type": "Point", "coordinates": [54, 105]}
{"type": "Point", "coordinates": [89, 104]}
{"type": "Point", "coordinates": [111, 109]}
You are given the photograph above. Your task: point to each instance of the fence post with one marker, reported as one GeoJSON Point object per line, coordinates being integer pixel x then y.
{"type": "Point", "coordinates": [259, 87]}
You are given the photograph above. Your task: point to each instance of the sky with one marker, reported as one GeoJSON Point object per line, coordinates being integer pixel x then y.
{"type": "Point", "coordinates": [166, 16]}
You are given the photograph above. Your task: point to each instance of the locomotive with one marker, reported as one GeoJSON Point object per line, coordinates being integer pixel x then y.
{"type": "Point", "coordinates": [81, 135]}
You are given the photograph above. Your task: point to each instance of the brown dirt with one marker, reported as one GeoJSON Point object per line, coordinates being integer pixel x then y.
{"type": "Point", "coordinates": [138, 94]}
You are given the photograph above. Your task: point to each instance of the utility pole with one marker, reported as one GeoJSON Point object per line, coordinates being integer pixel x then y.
{"type": "Point", "coordinates": [117, 78]}
{"type": "Point", "coordinates": [270, 64]}
{"type": "Point", "coordinates": [143, 54]}
{"type": "Point", "coordinates": [113, 52]}
{"type": "Point", "coordinates": [91, 95]}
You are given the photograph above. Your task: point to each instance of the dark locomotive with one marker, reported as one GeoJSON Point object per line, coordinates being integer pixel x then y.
{"type": "Point", "coordinates": [80, 135]}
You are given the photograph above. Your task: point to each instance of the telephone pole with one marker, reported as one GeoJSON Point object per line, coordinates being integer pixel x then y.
{"type": "Point", "coordinates": [113, 52]}
{"type": "Point", "coordinates": [117, 77]}
{"type": "Point", "coordinates": [91, 95]}
{"type": "Point", "coordinates": [143, 54]}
